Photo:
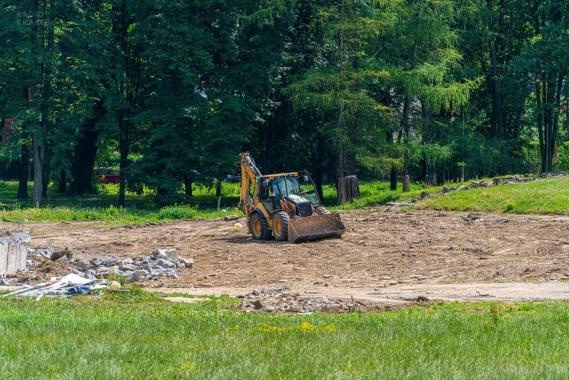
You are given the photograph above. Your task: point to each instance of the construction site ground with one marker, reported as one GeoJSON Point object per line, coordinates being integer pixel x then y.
{"type": "Point", "coordinates": [386, 256]}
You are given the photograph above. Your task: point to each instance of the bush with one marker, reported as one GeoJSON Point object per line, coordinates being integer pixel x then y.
{"type": "Point", "coordinates": [562, 161]}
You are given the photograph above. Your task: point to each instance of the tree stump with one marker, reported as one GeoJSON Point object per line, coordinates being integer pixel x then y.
{"type": "Point", "coordinates": [406, 183]}
{"type": "Point", "coordinates": [352, 188]}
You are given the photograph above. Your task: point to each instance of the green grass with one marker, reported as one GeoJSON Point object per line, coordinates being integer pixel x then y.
{"type": "Point", "coordinates": [141, 337]}
{"type": "Point", "coordinates": [140, 208]}
{"type": "Point", "coordinates": [540, 197]}
{"type": "Point", "coordinates": [377, 194]}
{"type": "Point", "coordinates": [111, 214]}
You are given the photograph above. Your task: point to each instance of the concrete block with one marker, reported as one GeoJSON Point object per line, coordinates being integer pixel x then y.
{"type": "Point", "coordinates": [14, 252]}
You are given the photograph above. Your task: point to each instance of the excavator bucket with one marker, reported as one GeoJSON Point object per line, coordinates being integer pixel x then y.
{"type": "Point", "coordinates": [315, 227]}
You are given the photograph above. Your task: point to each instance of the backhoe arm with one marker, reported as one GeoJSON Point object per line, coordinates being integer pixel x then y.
{"type": "Point", "coordinates": [249, 175]}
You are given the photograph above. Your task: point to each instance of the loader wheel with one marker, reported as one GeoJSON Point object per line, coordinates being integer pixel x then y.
{"type": "Point", "coordinates": [321, 210]}
{"type": "Point", "coordinates": [259, 226]}
{"type": "Point", "coordinates": [280, 225]}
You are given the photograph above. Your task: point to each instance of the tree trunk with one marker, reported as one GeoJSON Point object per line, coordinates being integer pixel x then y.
{"type": "Point", "coordinates": [540, 124]}
{"type": "Point", "coordinates": [40, 139]}
{"type": "Point", "coordinates": [124, 147]}
{"type": "Point", "coordinates": [23, 172]}
{"type": "Point", "coordinates": [38, 173]}
{"type": "Point", "coordinates": [86, 153]}
{"type": "Point", "coordinates": [496, 118]}
{"type": "Point", "coordinates": [218, 193]}
{"type": "Point", "coordinates": [45, 177]}
{"type": "Point", "coordinates": [318, 184]}
{"type": "Point", "coordinates": [218, 187]}
{"type": "Point", "coordinates": [62, 182]}
{"type": "Point", "coordinates": [126, 87]}
{"type": "Point", "coordinates": [188, 187]}
{"type": "Point", "coordinates": [340, 186]}
{"type": "Point", "coordinates": [393, 179]}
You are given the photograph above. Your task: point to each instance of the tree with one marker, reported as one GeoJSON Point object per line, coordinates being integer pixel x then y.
{"type": "Point", "coordinates": [335, 89]}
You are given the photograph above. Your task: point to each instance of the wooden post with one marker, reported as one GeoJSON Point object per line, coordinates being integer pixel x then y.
{"type": "Point", "coordinates": [218, 193]}
{"type": "Point", "coordinates": [406, 183]}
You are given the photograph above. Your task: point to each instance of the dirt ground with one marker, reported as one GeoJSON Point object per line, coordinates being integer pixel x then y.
{"type": "Point", "coordinates": [382, 249]}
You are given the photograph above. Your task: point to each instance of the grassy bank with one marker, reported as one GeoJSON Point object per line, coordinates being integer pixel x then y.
{"type": "Point", "coordinates": [144, 337]}
{"type": "Point", "coordinates": [540, 197]}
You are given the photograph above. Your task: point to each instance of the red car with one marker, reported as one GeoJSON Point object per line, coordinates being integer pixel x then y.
{"type": "Point", "coordinates": [108, 175]}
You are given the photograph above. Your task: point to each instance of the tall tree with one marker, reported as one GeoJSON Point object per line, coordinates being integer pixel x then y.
{"type": "Point", "coordinates": [336, 86]}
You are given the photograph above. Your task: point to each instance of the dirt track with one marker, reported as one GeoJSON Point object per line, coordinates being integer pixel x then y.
{"type": "Point", "coordinates": [380, 249]}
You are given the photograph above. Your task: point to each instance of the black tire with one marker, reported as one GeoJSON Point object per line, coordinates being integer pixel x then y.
{"type": "Point", "coordinates": [321, 210]}
{"type": "Point", "coordinates": [259, 226]}
{"type": "Point", "coordinates": [280, 225]}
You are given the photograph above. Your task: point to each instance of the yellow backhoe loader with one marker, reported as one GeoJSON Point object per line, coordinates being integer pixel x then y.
{"type": "Point", "coordinates": [285, 206]}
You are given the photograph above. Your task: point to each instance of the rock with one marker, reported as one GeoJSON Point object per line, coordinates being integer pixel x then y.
{"type": "Point", "coordinates": [187, 263]}
{"type": "Point", "coordinates": [162, 263]}
{"type": "Point", "coordinates": [110, 271]}
{"type": "Point", "coordinates": [128, 268]}
{"type": "Point", "coordinates": [139, 275]}
{"type": "Point", "coordinates": [91, 275]}
{"type": "Point", "coordinates": [173, 257]}
{"type": "Point", "coordinates": [172, 273]}
{"type": "Point", "coordinates": [63, 255]}
{"type": "Point", "coordinates": [238, 227]}
{"type": "Point", "coordinates": [126, 262]}
{"type": "Point", "coordinates": [230, 218]}
{"type": "Point", "coordinates": [169, 254]}
{"type": "Point", "coordinates": [43, 252]}
{"type": "Point", "coordinates": [473, 217]}
{"type": "Point", "coordinates": [84, 265]}
{"type": "Point", "coordinates": [110, 261]}
{"type": "Point", "coordinates": [97, 262]}
{"type": "Point", "coordinates": [114, 286]}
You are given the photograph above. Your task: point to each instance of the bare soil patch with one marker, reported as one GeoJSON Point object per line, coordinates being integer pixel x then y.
{"type": "Point", "coordinates": [381, 249]}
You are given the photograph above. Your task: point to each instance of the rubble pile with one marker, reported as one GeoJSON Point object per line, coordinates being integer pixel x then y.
{"type": "Point", "coordinates": [508, 180]}
{"type": "Point", "coordinates": [282, 300]}
{"type": "Point", "coordinates": [162, 263]}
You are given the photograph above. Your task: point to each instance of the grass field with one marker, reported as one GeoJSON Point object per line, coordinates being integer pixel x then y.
{"type": "Point", "coordinates": [540, 197]}
{"type": "Point", "coordinates": [140, 336]}
{"type": "Point", "coordinates": [140, 208]}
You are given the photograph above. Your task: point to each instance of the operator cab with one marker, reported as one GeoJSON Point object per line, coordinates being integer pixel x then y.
{"type": "Point", "coordinates": [299, 190]}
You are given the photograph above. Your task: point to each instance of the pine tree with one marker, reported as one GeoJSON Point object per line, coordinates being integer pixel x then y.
{"type": "Point", "coordinates": [335, 89]}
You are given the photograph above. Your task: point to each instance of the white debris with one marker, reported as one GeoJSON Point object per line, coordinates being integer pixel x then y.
{"type": "Point", "coordinates": [67, 286]}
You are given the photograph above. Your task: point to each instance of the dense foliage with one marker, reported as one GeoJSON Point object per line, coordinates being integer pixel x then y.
{"type": "Point", "coordinates": [169, 92]}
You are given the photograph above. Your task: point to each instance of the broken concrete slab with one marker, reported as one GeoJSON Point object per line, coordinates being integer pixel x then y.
{"type": "Point", "coordinates": [14, 252]}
